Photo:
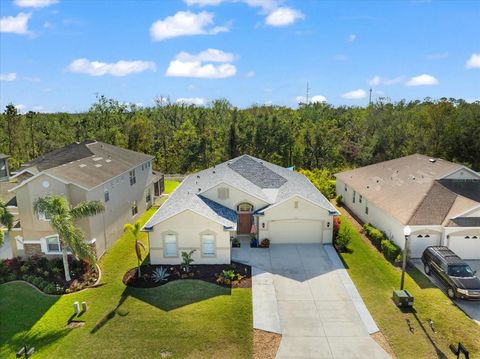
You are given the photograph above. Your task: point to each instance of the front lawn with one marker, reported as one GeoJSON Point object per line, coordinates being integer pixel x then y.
{"type": "Point", "coordinates": [170, 186]}
{"type": "Point", "coordinates": [409, 333]}
{"type": "Point", "coordinates": [181, 319]}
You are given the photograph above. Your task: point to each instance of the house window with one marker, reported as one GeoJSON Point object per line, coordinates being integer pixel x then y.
{"type": "Point", "coordinates": [419, 236]}
{"type": "Point", "coordinates": [133, 179]}
{"type": "Point", "coordinates": [427, 236]}
{"type": "Point", "coordinates": [345, 188]}
{"type": "Point", "coordinates": [360, 198]}
{"type": "Point", "coordinates": [106, 195]}
{"type": "Point", "coordinates": [208, 245]}
{"type": "Point", "coordinates": [474, 237]}
{"type": "Point", "coordinates": [148, 197]}
{"type": "Point", "coordinates": [354, 194]}
{"type": "Point", "coordinates": [43, 216]}
{"type": "Point", "coordinates": [244, 207]}
{"type": "Point", "coordinates": [134, 208]}
{"type": "Point", "coordinates": [223, 193]}
{"type": "Point", "coordinates": [143, 166]}
{"type": "Point", "coordinates": [53, 244]}
{"type": "Point", "coordinates": [171, 245]}
{"type": "Point", "coordinates": [295, 204]}
{"type": "Point", "coordinates": [366, 209]}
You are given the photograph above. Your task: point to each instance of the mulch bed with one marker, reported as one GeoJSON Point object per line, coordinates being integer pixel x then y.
{"type": "Point", "coordinates": [205, 272]}
{"type": "Point", "coordinates": [265, 344]}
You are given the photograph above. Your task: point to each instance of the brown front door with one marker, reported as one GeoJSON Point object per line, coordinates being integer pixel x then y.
{"type": "Point", "coordinates": [244, 223]}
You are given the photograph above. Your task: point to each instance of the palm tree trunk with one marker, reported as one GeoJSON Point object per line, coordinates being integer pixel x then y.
{"type": "Point", "coordinates": [65, 264]}
{"type": "Point", "coordinates": [139, 272]}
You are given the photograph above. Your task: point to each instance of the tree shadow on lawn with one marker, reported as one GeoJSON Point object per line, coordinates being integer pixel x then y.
{"type": "Point", "coordinates": [167, 297]}
{"type": "Point", "coordinates": [21, 307]}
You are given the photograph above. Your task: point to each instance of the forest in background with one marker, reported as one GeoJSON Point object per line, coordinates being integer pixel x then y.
{"type": "Point", "coordinates": [184, 138]}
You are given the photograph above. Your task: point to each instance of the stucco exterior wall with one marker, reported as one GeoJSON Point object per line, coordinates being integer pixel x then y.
{"type": "Point", "coordinates": [304, 212]}
{"type": "Point", "coordinates": [235, 197]}
{"type": "Point", "coordinates": [189, 226]}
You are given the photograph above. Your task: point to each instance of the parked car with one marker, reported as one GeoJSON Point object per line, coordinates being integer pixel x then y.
{"type": "Point", "coordinates": [455, 273]}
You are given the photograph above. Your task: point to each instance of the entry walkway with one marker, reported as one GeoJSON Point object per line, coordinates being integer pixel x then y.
{"type": "Point", "coordinates": [303, 292]}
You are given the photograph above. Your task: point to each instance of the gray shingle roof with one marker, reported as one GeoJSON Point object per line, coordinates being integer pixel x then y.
{"type": "Point", "coordinates": [464, 222]}
{"type": "Point", "coordinates": [271, 184]}
{"type": "Point", "coordinates": [88, 163]}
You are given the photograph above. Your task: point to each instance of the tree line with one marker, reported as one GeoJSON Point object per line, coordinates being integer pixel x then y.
{"type": "Point", "coordinates": [184, 138]}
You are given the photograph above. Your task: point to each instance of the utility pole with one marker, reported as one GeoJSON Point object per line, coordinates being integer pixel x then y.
{"type": "Point", "coordinates": [308, 92]}
{"type": "Point", "coordinates": [370, 98]}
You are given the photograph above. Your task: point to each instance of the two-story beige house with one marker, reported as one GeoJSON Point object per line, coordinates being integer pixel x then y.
{"type": "Point", "coordinates": [122, 179]}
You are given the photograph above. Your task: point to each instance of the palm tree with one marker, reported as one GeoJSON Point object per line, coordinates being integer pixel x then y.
{"type": "Point", "coordinates": [6, 219]}
{"type": "Point", "coordinates": [135, 230]}
{"type": "Point", "coordinates": [62, 220]}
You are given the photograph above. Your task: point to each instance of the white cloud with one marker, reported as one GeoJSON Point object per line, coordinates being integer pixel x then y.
{"type": "Point", "coordinates": [284, 16]}
{"type": "Point", "coordinates": [355, 94]}
{"type": "Point", "coordinates": [179, 68]}
{"type": "Point", "coordinates": [35, 3]}
{"type": "Point", "coordinates": [422, 80]}
{"type": "Point", "coordinates": [352, 37]}
{"type": "Point", "coordinates": [314, 99]}
{"type": "Point", "coordinates": [15, 24]}
{"type": "Point", "coordinates": [119, 68]}
{"type": "Point", "coordinates": [473, 62]}
{"type": "Point", "coordinates": [209, 55]}
{"type": "Point", "coordinates": [11, 76]}
{"type": "Point", "coordinates": [197, 101]}
{"type": "Point", "coordinates": [204, 2]}
{"type": "Point", "coordinates": [377, 80]}
{"type": "Point", "coordinates": [185, 23]}
{"type": "Point", "coordinates": [250, 74]}
{"type": "Point", "coordinates": [21, 108]}
{"type": "Point", "coordinates": [196, 65]}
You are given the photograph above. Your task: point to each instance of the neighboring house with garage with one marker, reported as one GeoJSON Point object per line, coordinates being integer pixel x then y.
{"type": "Point", "coordinates": [122, 179]}
{"type": "Point", "coordinates": [245, 196]}
{"type": "Point", "coordinates": [439, 200]}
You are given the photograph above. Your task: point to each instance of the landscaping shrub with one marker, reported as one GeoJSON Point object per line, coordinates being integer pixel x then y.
{"type": "Point", "coordinates": [50, 288]}
{"type": "Point", "coordinates": [187, 260]}
{"type": "Point", "coordinates": [228, 277]}
{"type": "Point", "coordinates": [390, 250]}
{"type": "Point", "coordinates": [339, 200]}
{"type": "Point", "coordinates": [343, 238]}
{"type": "Point", "coordinates": [376, 237]}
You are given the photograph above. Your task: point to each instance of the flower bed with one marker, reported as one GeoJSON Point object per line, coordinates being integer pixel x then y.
{"type": "Point", "coordinates": [48, 275]}
{"type": "Point", "coordinates": [235, 275]}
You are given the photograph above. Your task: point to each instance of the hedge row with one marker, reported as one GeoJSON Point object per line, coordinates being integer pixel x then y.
{"type": "Point", "coordinates": [390, 250]}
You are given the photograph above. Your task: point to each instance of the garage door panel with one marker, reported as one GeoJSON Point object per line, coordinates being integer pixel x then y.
{"type": "Point", "coordinates": [282, 232]}
{"type": "Point", "coordinates": [417, 245]}
{"type": "Point", "coordinates": [465, 248]}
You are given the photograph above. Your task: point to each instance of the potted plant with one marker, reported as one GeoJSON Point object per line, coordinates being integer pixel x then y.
{"type": "Point", "coordinates": [265, 243]}
{"type": "Point", "coordinates": [235, 243]}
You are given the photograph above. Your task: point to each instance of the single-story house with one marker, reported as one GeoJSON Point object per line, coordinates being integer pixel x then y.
{"type": "Point", "coordinates": [438, 199]}
{"type": "Point", "coordinates": [245, 196]}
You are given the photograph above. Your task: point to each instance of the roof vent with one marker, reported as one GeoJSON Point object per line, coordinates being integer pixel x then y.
{"type": "Point", "coordinates": [198, 176]}
{"type": "Point", "coordinates": [199, 189]}
{"type": "Point", "coordinates": [214, 171]}
{"type": "Point", "coordinates": [82, 165]}
{"type": "Point", "coordinates": [98, 165]}
{"type": "Point", "coordinates": [432, 160]}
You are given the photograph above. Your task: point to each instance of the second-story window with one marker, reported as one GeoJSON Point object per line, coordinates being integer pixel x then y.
{"type": "Point", "coordinates": [106, 195]}
{"type": "Point", "coordinates": [133, 179]}
{"type": "Point", "coordinates": [134, 208]}
{"type": "Point", "coordinates": [43, 216]}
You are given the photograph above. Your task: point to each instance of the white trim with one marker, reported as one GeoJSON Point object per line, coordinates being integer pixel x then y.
{"type": "Point", "coordinates": [473, 209]}
{"type": "Point", "coordinates": [91, 241]}
{"type": "Point", "coordinates": [22, 172]}
{"type": "Point", "coordinates": [46, 251]}
{"type": "Point", "coordinates": [297, 196]}
{"type": "Point", "coordinates": [186, 209]}
{"type": "Point", "coordinates": [458, 169]}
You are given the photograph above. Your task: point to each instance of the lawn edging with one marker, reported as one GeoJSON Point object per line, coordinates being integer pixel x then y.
{"type": "Point", "coordinates": [97, 282]}
{"type": "Point", "coordinates": [352, 291]}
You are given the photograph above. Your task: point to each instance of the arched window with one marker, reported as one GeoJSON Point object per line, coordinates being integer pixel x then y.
{"type": "Point", "coordinates": [474, 237]}
{"type": "Point", "coordinates": [427, 236]}
{"type": "Point", "coordinates": [419, 236]}
{"type": "Point", "coordinates": [467, 237]}
{"type": "Point", "coordinates": [244, 207]}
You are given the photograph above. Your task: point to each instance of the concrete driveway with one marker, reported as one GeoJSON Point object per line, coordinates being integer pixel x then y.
{"type": "Point", "coordinates": [470, 307]}
{"type": "Point", "coordinates": [303, 292]}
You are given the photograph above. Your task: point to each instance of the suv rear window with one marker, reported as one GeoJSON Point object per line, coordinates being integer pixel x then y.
{"type": "Point", "coordinates": [460, 271]}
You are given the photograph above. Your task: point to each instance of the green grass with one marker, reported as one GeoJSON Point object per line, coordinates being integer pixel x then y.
{"type": "Point", "coordinates": [170, 186]}
{"type": "Point", "coordinates": [375, 279]}
{"type": "Point", "coordinates": [189, 319]}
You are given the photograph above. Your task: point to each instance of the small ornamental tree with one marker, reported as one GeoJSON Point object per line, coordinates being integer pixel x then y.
{"type": "Point", "coordinates": [343, 238]}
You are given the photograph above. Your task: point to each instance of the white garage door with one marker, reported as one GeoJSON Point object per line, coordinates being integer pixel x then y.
{"type": "Point", "coordinates": [418, 244]}
{"type": "Point", "coordinates": [295, 231]}
{"type": "Point", "coordinates": [465, 248]}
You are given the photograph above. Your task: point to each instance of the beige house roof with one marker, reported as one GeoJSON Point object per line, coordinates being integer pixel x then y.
{"type": "Point", "coordinates": [87, 164]}
{"type": "Point", "coordinates": [400, 186]}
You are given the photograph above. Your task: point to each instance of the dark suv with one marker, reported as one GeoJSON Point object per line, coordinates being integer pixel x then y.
{"type": "Point", "coordinates": [457, 275]}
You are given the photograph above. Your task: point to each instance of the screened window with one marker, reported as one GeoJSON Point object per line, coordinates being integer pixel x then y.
{"type": "Point", "coordinates": [295, 205]}
{"type": "Point", "coordinates": [133, 178]}
{"type": "Point", "coordinates": [106, 195]}
{"type": "Point", "coordinates": [354, 195]}
{"type": "Point", "coordinates": [208, 245]}
{"type": "Point", "coordinates": [134, 208]}
{"type": "Point", "coordinates": [171, 245]}
{"type": "Point", "coordinates": [148, 197]}
{"type": "Point", "coordinates": [223, 193]}
{"type": "Point", "coordinates": [366, 209]}
{"type": "Point", "coordinates": [53, 244]}
{"type": "Point", "coordinates": [43, 217]}
{"type": "Point", "coordinates": [360, 198]}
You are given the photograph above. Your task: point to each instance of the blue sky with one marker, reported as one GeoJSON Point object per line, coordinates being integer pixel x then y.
{"type": "Point", "coordinates": [55, 55]}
